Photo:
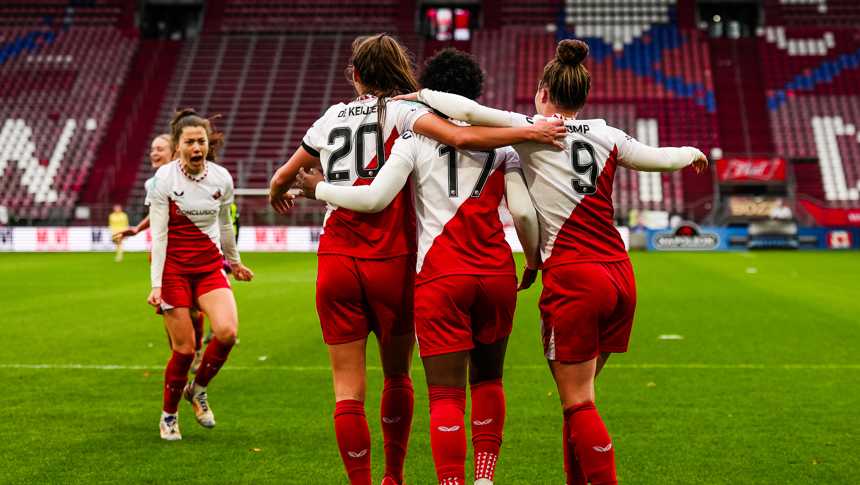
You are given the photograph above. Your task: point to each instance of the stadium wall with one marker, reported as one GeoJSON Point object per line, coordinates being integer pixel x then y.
{"type": "Point", "coordinates": [251, 239]}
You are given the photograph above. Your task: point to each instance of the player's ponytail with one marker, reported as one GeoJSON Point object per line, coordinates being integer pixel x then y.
{"type": "Point", "coordinates": [188, 118]}
{"type": "Point", "coordinates": [565, 78]}
{"type": "Point", "coordinates": [384, 70]}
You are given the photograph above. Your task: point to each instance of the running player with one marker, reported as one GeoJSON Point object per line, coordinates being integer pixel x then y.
{"type": "Point", "coordinates": [360, 255]}
{"type": "Point", "coordinates": [189, 203]}
{"type": "Point", "coordinates": [161, 153]}
{"type": "Point", "coordinates": [466, 280]}
{"type": "Point", "coordinates": [117, 222]}
{"type": "Point", "coordinates": [589, 294]}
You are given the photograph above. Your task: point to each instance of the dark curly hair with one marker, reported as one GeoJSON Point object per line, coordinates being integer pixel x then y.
{"type": "Point", "coordinates": [453, 71]}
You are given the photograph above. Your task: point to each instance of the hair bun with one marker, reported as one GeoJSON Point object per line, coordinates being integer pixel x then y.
{"type": "Point", "coordinates": [185, 112]}
{"type": "Point", "coordinates": [571, 52]}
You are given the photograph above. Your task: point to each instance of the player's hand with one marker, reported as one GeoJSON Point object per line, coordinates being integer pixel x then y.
{"type": "Point", "coordinates": [281, 202]}
{"type": "Point", "coordinates": [124, 234]}
{"type": "Point", "coordinates": [407, 97]}
{"type": "Point", "coordinates": [241, 273]}
{"type": "Point", "coordinates": [155, 297]}
{"type": "Point", "coordinates": [701, 163]}
{"type": "Point", "coordinates": [529, 277]}
{"type": "Point", "coordinates": [549, 131]}
{"type": "Point", "coordinates": [308, 182]}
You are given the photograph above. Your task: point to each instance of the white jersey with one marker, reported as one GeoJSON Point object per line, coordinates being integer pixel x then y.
{"type": "Point", "coordinates": [457, 197]}
{"type": "Point", "coordinates": [148, 183]}
{"type": "Point", "coordinates": [197, 213]}
{"type": "Point", "coordinates": [572, 190]}
{"type": "Point", "coordinates": [345, 140]}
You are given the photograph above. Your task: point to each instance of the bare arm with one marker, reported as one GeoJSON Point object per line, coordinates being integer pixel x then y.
{"type": "Point", "coordinates": [484, 138]}
{"type": "Point", "coordinates": [279, 196]}
{"type": "Point", "coordinates": [132, 231]}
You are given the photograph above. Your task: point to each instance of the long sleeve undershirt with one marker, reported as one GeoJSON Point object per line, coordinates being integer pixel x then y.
{"type": "Point", "coordinates": [158, 217]}
{"type": "Point", "coordinates": [647, 159]}
{"type": "Point", "coordinates": [525, 216]}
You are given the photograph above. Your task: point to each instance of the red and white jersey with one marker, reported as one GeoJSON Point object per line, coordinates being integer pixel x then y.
{"type": "Point", "coordinates": [345, 139]}
{"type": "Point", "coordinates": [457, 197]}
{"type": "Point", "coordinates": [195, 203]}
{"type": "Point", "coordinates": [572, 190]}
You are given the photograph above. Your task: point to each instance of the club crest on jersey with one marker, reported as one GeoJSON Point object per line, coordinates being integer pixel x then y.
{"type": "Point", "coordinates": [217, 194]}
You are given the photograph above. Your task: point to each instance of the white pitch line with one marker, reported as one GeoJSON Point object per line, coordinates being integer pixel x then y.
{"type": "Point", "coordinates": [513, 367]}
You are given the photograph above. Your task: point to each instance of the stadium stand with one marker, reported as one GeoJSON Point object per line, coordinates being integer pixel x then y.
{"type": "Point", "coordinates": [311, 16]}
{"type": "Point", "coordinates": [651, 79]}
{"type": "Point", "coordinates": [59, 89]}
{"type": "Point", "coordinates": [81, 13]}
{"type": "Point", "coordinates": [812, 81]}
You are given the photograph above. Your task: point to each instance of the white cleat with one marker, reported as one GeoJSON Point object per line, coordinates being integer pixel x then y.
{"type": "Point", "coordinates": [483, 481]}
{"type": "Point", "coordinates": [201, 406]}
{"type": "Point", "coordinates": [169, 426]}
{"type": "Point", "coordinates": [198, 359]}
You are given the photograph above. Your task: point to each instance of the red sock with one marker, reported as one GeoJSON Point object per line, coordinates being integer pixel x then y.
{"type": "Point", "coordinates": [590, 442]}
{"type": "Point", "coordinates": [488, 421]}
{"type": "Point", "coordinates": [353, 440]}
{"type": "Point", "coordinates": [447, 432]}
{"type": "Point", "coordinates": [214, 357]}
{"type": "Point", "coordinates": [571, 465]}
{"type": "Point", "coordinates": [398, 402]}
{"type": "Point", "coordinates": [198, 332]}
{"type": "Point", "coordinates": [175, 378]}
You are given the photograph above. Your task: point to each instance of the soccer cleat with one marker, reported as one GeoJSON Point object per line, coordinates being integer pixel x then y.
{"type": "Point", "coordinates": [208, 338]}
{"type": "Point", "coordinates": [483, 481]}
{"type": "Point", "coordinates": [389, 481]}
{"type": "Point", "coordinates": [169, 426]}
{"type": "Point", "coordinates": [201, 406]}
{"type": "Point", "coordinates": [198, 358]}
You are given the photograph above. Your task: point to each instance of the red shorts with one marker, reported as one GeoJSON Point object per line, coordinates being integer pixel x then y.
{"type": "Point", "coordinates": [452, 312]}
{"type": "Point", "coordinates": [358, 296]}
{"type": "Point", "coordinates": [182, 290]}
{"type": "Point", "coordinates": [587, 308]}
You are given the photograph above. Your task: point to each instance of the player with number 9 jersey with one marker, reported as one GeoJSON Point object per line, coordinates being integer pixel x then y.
{"type": "Point", "coordinates": [589, 295]}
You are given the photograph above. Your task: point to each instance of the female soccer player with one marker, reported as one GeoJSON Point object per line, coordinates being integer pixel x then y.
{"type": "Point", "coordinates": [161, 153]}
{"type": "Point", "coordinates": [367, 261]}
{"type": "Point", "coordinates": [466, 279]}
{"type": "Point", "coordinates": [189, 203]}
{"type": "Point", "coordinates": [589, 294]}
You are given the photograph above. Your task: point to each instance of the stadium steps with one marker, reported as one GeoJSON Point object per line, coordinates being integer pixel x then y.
{"type": "Point", "coordinates": [213, 17]}
{"type": "Point", "coordinates": [807, 180]}
{"type": "Point", "coordinates": [731, 123]}
{"type": "Point", "coordinates": [751, 84]}
{"type": "Point", "coordinates": [116, 167]}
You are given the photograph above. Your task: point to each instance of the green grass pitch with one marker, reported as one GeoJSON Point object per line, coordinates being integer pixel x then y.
{"type": "Point", "coordinates": [764, 387]}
